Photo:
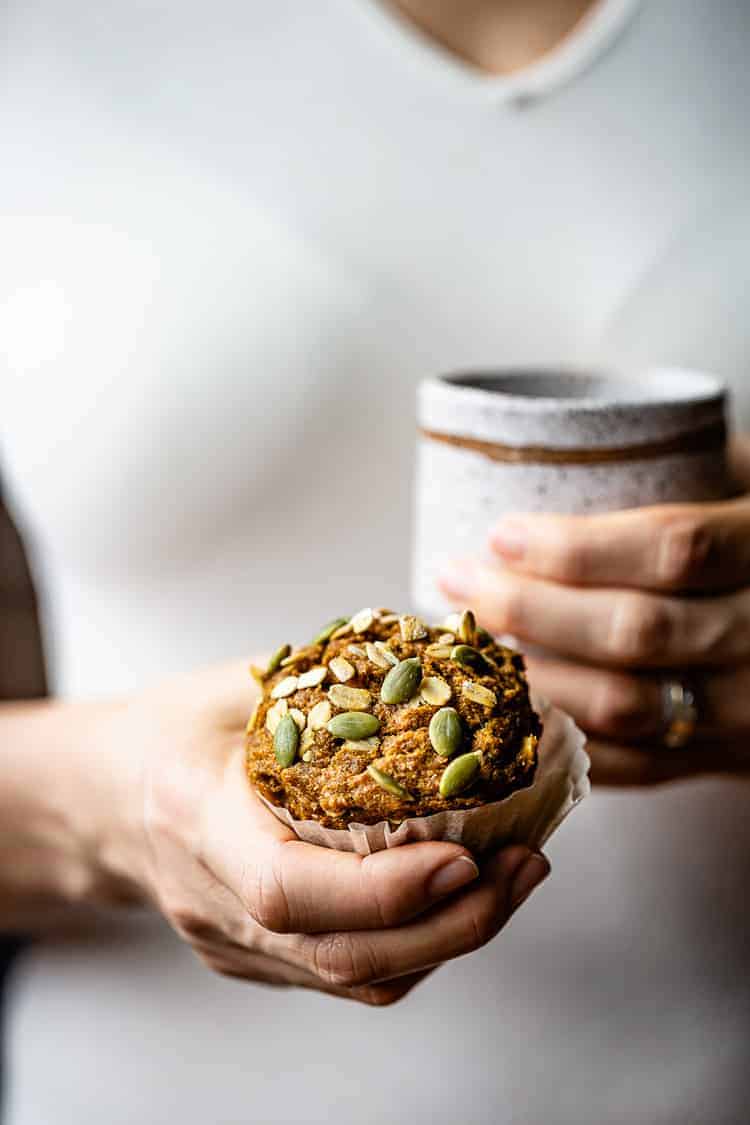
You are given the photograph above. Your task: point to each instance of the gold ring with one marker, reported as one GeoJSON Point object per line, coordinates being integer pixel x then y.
{"type": "Point", "coordinates": [680, 714]}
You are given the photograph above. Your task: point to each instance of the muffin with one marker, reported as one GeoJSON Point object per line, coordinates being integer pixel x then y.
{"type": "Point", "coordinates": [382, 718]}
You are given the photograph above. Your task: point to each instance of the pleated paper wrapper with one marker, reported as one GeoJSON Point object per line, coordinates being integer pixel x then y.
{"type": "Point", "coordinates": [528, 816]}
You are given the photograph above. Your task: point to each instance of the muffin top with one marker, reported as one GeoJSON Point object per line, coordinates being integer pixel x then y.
{"type": "Point", "coordinates": [382, 718]}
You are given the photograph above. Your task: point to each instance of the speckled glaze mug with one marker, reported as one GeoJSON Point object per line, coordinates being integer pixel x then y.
{"type": "Point", "coordinates": [494, 443]}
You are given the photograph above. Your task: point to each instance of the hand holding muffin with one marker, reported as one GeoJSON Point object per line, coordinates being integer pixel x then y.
{"type": "Point", "coordinates": [251, 899]}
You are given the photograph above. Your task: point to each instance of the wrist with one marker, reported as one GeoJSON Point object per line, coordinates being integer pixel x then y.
{"type": "Point", "coordinates": [68, 808]}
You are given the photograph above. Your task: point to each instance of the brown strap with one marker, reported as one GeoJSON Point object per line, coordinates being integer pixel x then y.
{"type": "Point", "coordinates": [705, 440]}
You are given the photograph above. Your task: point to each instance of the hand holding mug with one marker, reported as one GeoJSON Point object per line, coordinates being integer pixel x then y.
{"type": "Point", "coordinates": [634, 598]}
{"type": "Point", "coordinates": [625, 604]}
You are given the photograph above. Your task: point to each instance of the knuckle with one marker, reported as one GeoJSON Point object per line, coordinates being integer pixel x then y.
{"type": "Point", "coordinates": [685, 547]}
{"type": "Point", "coordinates": [720, 629]}
{"type": "Point", "coordinates": [265, 897]}
{"type": "Point", "coordinates": [79, 885]}
{"type": "Point", "coordinates": [191, 924]}
{"type": "Point", "coordinates": [483, 924]}
{"type": "Point", "coordinates": [616, 704]}
{"type": "Point", "coordinates": [639, 629]}
{"type": "Point", "coordinates": [344, 961]}
{"type": "Point", "coordinates": [387, 900]}
{"type": "Point", "coordinates": [571, 561]}
{"type": "Point", "coordinates": [508, 611]}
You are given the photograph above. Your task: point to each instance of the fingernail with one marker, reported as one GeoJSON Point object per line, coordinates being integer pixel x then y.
{"type": "Point", "coordinates": [455, 874]}
{"type": "Point", "coordinates": [457, 580]}
{"type": "Point", "coordinates": [509, 539]}
{"type": "Point", "coordinates": [533, 872]}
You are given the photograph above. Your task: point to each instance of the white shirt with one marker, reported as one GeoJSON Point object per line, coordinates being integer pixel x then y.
{"type": "Point", "coordinates": [233, 239]}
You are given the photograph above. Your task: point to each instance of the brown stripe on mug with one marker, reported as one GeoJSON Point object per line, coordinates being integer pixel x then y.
{"type": "Point", "coordinates": [707, 439]}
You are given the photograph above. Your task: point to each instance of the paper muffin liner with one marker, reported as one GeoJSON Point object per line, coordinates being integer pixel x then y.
{"type": "Point", "coordinates": [528, 816]}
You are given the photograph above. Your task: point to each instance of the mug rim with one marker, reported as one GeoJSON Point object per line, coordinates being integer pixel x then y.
{"type": "Point", "coordinates": [697, 387]}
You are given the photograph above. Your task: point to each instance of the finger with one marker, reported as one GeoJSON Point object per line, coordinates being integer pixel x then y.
{"type": "Point", "coordinates": [619, 628]}
{"type": "Point", "coordinates": [614, 704]}
{"type": "Point", "coordinates": [457, 927]}
{"type": "Point", "coordinates": [292, 887]}
{"type": "Point", "coordinates": [623, 706]}
{"type": "Point", "coordinates": [389, 991]}
{"type": "Point", "coordinates": [622, 766]}
{"type": "Point", "coordinates": [236, 961]}
{"type": "Point", "coordinates": [671, 548]}
{"type": "Point", "coordinates": [259, 968]}
{"type": "Point", "coordinates": [616, 765]}
{"type": "Point", "coordinates": [739, 460]}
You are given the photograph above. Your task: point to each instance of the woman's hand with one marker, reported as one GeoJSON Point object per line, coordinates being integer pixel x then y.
{"type": "Point", "coordinates": [620, 603]}
{"type": "Point", "coordinates": [161, 805]}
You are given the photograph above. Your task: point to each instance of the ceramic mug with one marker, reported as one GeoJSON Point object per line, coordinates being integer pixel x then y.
{"type": "Point", "coordinates": [493, 443]}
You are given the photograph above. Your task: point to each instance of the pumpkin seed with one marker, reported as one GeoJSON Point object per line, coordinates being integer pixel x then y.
{"type": "Point", "coordinates": [307, 738]}
{"type": "Point", "coordinates": [435, 691]}
{"type": "Point", "coordinates": [353, 725]}
{"type": "Point", "coordinates": [284, 687]}
{"type": "Point", "coordinates": [355, 650]}
{"type": "Point", "coordinates": [468, 657]}
{"type": "Point", "coordinates": [342, 631]}
{"type": "Point", "coordinates": [446, 639]}
{"type": "Point", "coordinates": [446, 732]}
{"type": "Point", "coordinates": [439, 652]}
{"type": "Point", "coordinates": [308, 756]}
{"type": "Point", "coordinates": [349, 698]}
{"type": "Point", "coordinates": [275, 714]}
{"type": "Point", "coordinates": [362, 620]}
{"type": "Point", "coordinates": [402, 681]}
{"type": "Point", "coordinates": [478, 693]}
{"type": "Point", "coordinates": [412, 629]}
{"type": "Point", "coordinates": [275, 662]}
{"type": "Point", "coordinates": [328, 630]}
{"type": "Point", "coordinates": [484, 638]}
{"type": "Point", "coordinates": [385, 781]}
{"type": "Point", "coordinates": [460, 774]}
{"type": "Point", "coordinates": [467, 627]}
{"type": "Point", "coordinates": [253, 718]}
{"type": "Point", "coordinates": [312, 677]}
{"type": "Point", "coordinates": [286, 741]}
{"type": "Point", "coordinates": [376, 656]}
{"type": "Point", "coordinates": [341, 668]}
{"type": "Point", "coordinates": [319, 715]}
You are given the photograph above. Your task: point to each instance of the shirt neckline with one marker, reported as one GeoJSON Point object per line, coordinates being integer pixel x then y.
{"type": "Point", "coordinates": [579, 50]}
